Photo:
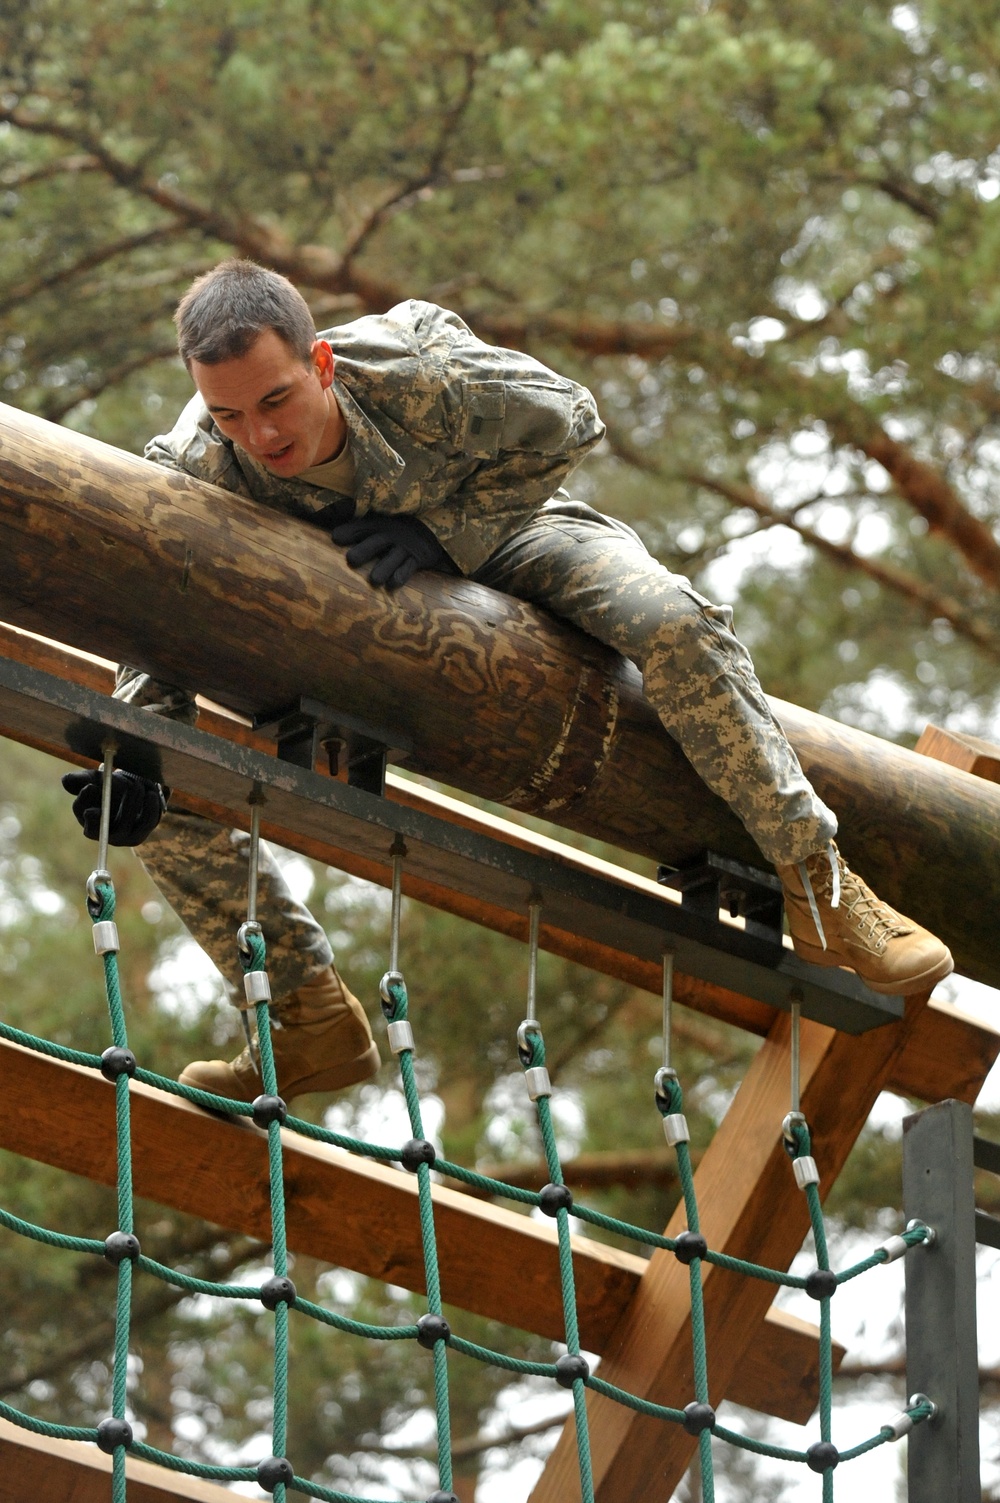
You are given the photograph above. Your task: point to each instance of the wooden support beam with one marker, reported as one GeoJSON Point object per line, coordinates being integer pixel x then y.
{"type": "Point", "coordinates": [750, 1208]}
{"type": "Point", "coordinates": [360, 1215]}
{"type": "Point", "coordinates": [255, 608]}
{"type": "Point", "coordinates": [970, 753]}
{"type": "Point", "coordinates": [948, 1054]}
{"type": "Point", "coordinates": [43, 1470]}
{"type": "Point", "coordinates": [582, 895]}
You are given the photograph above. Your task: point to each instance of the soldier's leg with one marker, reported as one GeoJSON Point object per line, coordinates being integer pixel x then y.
{"type": "Point", "coordinates": [697, 675]}
{"type": "Point", "coordinates": [700, 680]}
{"type": "Point", "coordinates": [324, 1041]}
{"type": "Point", "coordinates": [201, 869]}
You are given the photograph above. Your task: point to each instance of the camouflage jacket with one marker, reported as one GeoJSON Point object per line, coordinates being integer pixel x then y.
{"type": "Point", "coordinates": [471, 438]}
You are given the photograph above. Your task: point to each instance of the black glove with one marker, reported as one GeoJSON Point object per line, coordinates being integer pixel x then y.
{"type": "Point", "coordinates": [401, 545]}
{"type": "Point", "coordinates": [137, 804]}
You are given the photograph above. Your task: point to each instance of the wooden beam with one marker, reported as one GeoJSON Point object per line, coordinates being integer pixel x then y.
{"type": "Point", "coordinates": [580, 894]}
{"type": "Point", "coordinates": [948, 1055]}
{"type": "Point", "coordinates": [255, 608]}
{"type": "Point", "coordinates": [43, 1470]}
{"type": "Point", "coordinates": [358, 1214]}
{"type": "Point", "coordinates": [750, 1208]}
{"type": "Point", "coordinates": [970, 753]}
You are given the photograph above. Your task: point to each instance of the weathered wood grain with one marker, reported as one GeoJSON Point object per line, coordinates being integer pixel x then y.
{"type": "Point", "coordinates": [253, 607]}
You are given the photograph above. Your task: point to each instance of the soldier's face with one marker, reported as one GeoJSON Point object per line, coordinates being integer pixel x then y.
{"type": "Point", "coordinates": [281, 410]}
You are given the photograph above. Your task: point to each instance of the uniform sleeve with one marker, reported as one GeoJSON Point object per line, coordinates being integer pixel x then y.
{"type": "Point", "coordinates": [523, 427]}
{"type": "Point", "coordinates": [524, 456]}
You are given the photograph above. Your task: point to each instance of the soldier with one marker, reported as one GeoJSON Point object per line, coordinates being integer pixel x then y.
{"type": "Point", "coordinates": [417, 446]}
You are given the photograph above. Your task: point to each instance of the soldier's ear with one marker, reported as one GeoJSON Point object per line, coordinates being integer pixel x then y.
{"type": "Point", "coordinates": [323, 362]}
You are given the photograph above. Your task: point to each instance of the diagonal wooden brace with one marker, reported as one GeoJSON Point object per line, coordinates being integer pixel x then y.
{"type": "Point", "coordinates": [750, 1208]}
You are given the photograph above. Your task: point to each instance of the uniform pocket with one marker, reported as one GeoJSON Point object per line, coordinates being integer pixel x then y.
{"type": "Point", "coordinates": [484, 409]}
{"type": "Point", "coordinates": [528, 415]}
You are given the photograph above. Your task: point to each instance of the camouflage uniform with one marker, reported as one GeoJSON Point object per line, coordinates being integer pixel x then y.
{"type": "Point", "coordinates": [476, 441]}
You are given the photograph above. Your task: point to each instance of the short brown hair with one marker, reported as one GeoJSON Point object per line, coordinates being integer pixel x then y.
{"type": "Point", "coordinates": [226, 310]}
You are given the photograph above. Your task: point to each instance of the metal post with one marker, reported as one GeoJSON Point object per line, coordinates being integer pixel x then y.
{"type": "Point", "coordinates": [941, 1357]}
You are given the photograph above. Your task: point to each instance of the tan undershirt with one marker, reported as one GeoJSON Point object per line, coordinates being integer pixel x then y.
{"type": "Point", "coordinates": [337, 474]}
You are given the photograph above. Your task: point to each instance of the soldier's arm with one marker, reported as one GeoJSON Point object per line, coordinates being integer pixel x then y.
{"type": "Point", "coordinates": [524, 428]}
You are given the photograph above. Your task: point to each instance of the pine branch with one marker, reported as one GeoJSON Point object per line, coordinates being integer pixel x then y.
{"type": "Point", "coordinates": [924, 488]}
{"type": "Point", "coordinates": [404, 197]}
{"type": "Point", "coordinates": [895, 1367]}
{"type": "Point", "coordinates": [930, 601]}
{"type": "Point", "coordinates": [98, 1339]}
{"type": "Point", "coordinates": [39, 174]}
{"type": "Point", "coordinates": [96, 257]}
{"type": "Point", "coordinates": [59, 408]}
{"type": "Point", "coordinates": [474, 1445]}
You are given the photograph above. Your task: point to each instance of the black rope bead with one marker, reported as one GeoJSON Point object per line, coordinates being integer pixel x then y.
{"type": "Point", "coordinates": [268, 1109]}
{"type": "Point", "coordinates": [569, 1367]}
{"type": "Point", "coordinates": [690, 1245]}
{"type": "Point", "coordinates": [554, 1198]}
{"type": "Point", "coordinates": [277, 1291]}
{"type": "Point", "coordinates": [431, 1329]}
{"type": "Point", "coordinates": [822, 1456]}
{"type": "Point", "coordinates": [698, 1417]}
{"type": "Point", "coordinates": [121, 1245]}
{"type": "Point", "coordinates": [417, 1151]}
{"type": "Point", "coordinates": [115, 1062]}
{"type": "Point", "coordinates": [112, 1433]}
{"type": "Point", "coordinates": [272, 1470]}
{"type": "Point", "coordinates": [821, 1283]}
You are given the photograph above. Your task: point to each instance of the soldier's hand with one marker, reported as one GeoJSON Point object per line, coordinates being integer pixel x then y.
{"type": "Point", "coordinates": [399, 547]}
{"type": "Point", "coordinates": [137, 804]}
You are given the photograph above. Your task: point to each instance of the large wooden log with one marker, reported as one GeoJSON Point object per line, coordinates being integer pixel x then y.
{"type": "Point", "coordinates": [118, 557]}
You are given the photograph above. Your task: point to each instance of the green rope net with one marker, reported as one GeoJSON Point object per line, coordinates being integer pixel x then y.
{"type": "Point", "coordinates": [275, 1473]}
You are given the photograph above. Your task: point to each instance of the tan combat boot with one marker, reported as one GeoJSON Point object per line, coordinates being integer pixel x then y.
{"type": "Point", "coordinates": [835, 919]}
{"type": "Point", "coordinates": [324, 1043]}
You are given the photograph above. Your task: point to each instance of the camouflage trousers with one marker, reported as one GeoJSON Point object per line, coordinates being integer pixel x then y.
{"type": "Point", "coordinates": [696, 674]}
{"type": "Point", "coordinates": [595, 572]}
{"type": "Point", "coordinates": [202, 869]}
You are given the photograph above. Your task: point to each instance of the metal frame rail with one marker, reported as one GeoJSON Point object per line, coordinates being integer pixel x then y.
{"type": "Point", "coordinates": [634, 915]}
{"type": "Point", "coordinates": [940, 1153]}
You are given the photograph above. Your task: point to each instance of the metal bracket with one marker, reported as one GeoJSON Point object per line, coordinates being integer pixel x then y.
{"type": "Point", "coordinates": [308, 727]}
{"type": "Point", "coordinates": [711, 882]}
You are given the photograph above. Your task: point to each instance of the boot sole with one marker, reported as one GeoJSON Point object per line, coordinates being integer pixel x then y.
{"type": "Point", "coordinates": [904, 987]}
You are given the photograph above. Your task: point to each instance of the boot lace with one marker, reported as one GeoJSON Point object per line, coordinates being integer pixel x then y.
{"type": "Point", "coordinates": [872, 921]}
